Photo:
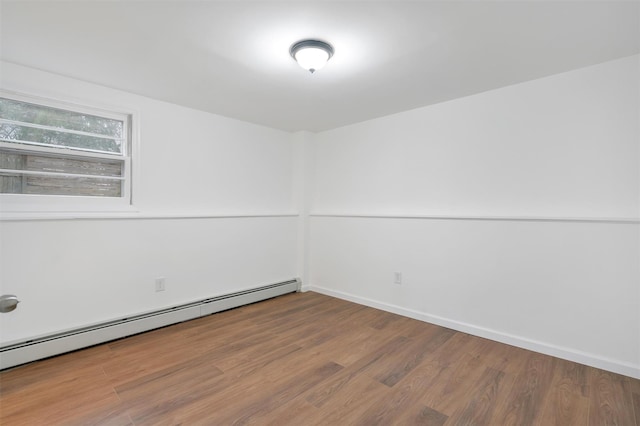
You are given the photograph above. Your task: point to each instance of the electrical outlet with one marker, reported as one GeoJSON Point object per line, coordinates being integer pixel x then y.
{"type": "Point", "coordinates": [160, 284]}
{"type": "Point", "coordinates": [397, 278]}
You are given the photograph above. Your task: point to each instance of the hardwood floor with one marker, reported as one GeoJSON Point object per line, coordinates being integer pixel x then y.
{"type": "Point", "coordinates": [309, 359]}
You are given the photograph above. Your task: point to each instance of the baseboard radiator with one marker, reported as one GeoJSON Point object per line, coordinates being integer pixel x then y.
{"type": "Point", "coordinates": [70, 340]}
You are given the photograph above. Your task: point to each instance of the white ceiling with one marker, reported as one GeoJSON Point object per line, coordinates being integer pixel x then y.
{"type": "Point", "coordinates": [231, 58]}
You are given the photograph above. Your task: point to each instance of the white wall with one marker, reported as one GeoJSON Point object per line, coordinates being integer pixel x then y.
{"type": "Point", "coordinates": [69, 273]}
{"type": "Point", "coordinates": [490, 167]}
{"type": "Point", "coordinates": [535, 159]}
{"type": "Point", "coordinates": [565, 145]}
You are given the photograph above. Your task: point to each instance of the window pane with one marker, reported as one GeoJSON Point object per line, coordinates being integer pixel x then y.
{"type": "Point", "coordinates": [47, 150]}
{"type": "Point", "coordinates": [63, 119]}
{"type": "Point", "coordinates": [12, 132]}
{"type": "Point", "coordinates": [42, 163]}
{"type": "Point", "coordinates": [51, 185]}
{"type": "Point", "coordinates": [10, 184]}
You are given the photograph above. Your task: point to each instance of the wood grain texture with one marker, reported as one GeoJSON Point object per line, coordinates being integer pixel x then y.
{"type": "Point", "coordinates": [428, 417]}
{"type": "Point", "coordinates": [609, 400]}
{"type": "Point", "coordinates": [309, 359]}
{"type": "Point", "coordinates": [481, 399]}
{"type": "Point", "coordinates": [568, 401]}
{"type": "Point", "coordinates": [530, 388]}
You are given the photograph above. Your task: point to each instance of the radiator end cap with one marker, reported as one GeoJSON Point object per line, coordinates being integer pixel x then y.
{"type": "Point", "coordinates": [8, 303]}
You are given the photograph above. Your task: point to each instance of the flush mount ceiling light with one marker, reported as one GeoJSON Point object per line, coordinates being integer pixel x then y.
{"type": "Point", "coordinates": [311, 54]}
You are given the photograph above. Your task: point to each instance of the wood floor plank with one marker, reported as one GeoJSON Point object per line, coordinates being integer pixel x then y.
{"type": "Point", "coordinates": [295, 412]}
{"type": "Point", "coordinates": [230, 394]}
{"type": "Point", "coordinates": [636, 406]}
{"type": "Point", "coordinates": [348, 346]}
{"type": "Point", "coordinates": [452, 385]}
{"type": "Point", "coordinates": [174, 378]}
{"type": "Point", "coordinates": [634, 385]}
{"type": "Point", "coordinates": [500, 357]}
{"type": "Point", "coordinates": [172, 404]}
{"type": "Point", "coordinates": [248, 357]}
{"type": "Point", "coordinates": [529, 390]}
{"type": "Point", "coordinates": [568, 399]}
{"type": "Point", "coordinates": [87, 389]}
{"type": "Point", "coordinates": [481, 400]}
{"type": "Point", "coordinates": [403, 326]}
{"type": "Point", "coordinates": [114, 415]}
{"type": "Point", "coordinates": [350, 352]}
{"type": "Point", "coordinates": [392, 371]}
{"type": "Point", "coordinates": [258, 406]}
{"type": "Point", "coordinates": [51, 369]}
{"type": "Point", "coordinates": [349, 403]}
{"type": "Point", "coordinates": [125, 368]}
{"type": "Point", "coordinates": [405, 397]}
{"type": "Point", "coordinates": [423, 416]}
{"type": "Point", "coordinates": [328, 389]}
{"type": "Point", "coordinates": [310, 359]}
{"type": "Point", "coordinates": [385, 319]}
{"type": "Point", "coordinates": [609, 401]}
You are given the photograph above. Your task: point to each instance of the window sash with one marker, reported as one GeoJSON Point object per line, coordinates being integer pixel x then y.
{"type": "Point", "coordinates": [61, 115]}
{"type": "Point", "coordinates": [14, 172]}
{"type": "Point", "coordinates": [62, 151]}
{"type": "Point", "coordinates": [75, 186]}
{"type": "Point", "coordinates": [125, 118]}
{"type": "Point", "coordinates": [59, 186]}
{"type": "Point", "coordinates": [58, 129]}
{"type": "Point", "coordinates": [37, 135]}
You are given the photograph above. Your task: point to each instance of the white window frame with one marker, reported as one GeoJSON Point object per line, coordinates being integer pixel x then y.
{"type": "Point", "coordinates": [17, 206]}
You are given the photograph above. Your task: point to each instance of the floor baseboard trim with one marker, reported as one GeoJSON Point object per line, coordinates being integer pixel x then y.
{"type": "Point", "coordinates": [569, 354]}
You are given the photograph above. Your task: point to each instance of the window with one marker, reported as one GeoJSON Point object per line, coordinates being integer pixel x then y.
{"type": "Point", "coordinates": [54, 152]}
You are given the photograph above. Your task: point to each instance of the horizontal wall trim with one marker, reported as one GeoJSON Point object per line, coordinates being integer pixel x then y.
{"type": "Point", "coordinates": [616, 220]}
{"type": "Point", "coordinates": [55, 216]}
{"type": "Point", "coordinates": [631, 370]}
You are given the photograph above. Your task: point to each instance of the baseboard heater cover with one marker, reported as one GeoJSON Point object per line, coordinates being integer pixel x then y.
{"type": "Point", "coordinates": [55, 344]}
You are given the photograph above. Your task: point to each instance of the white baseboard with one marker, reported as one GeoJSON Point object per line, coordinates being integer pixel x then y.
{"type": "Point", "coordinates": [569, 354]}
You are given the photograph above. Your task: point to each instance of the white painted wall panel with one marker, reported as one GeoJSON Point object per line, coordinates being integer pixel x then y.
{"type": "Point", "coordinates": [565, 146]}
{"type": "Point", "coordinates": [189, 160]}
{"type": "Point", "coordinates": [571, 287]}
{"type": "Point", "coordinates": [74, 272]}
